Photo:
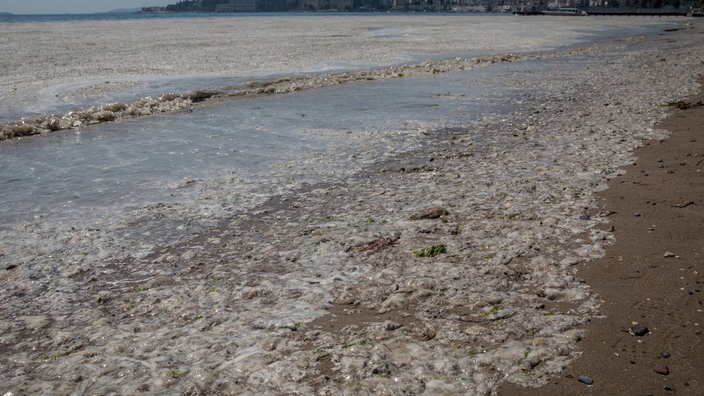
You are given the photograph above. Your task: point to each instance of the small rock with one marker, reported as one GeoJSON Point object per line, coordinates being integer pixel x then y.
{"type": "Point", "coordinates": [683, 204]}
{"type": "Point", "coordinates": [390, 325]}
{"type": "Point", "coordinates": [636, 214]}
{"type": "Point", "coordinates": [665, 355]}
{"type": "Point", "coordinates": [427, 333]}
{"type": "Point", "coordinates": [585, 216]}
{"type": "Point", "coordinates": [104, 297]}
{"type": "Point", "coordinates": [669, 254]}
{"type": "Point", "coordinates": [586, 380]}
{"type": "Point", "coordinates": [383, 368]}
{"type": "Point", "coordinates": [288, 324]}
{"type": "Point", "coordinates": [639, 330]}
{"type": "Point", "coordinates": [432, 213]}
{"type": "Point", "coordinates": [661, 369]}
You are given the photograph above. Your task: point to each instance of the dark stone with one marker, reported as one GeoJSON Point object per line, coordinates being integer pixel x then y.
{"type": "Point", "coordinates": [661, 369]}
{"type": "Point", "coordinates": [665, 355]}
{"type": "Point", "coordinates": [586, 380]}
{"type": "Point", "coordinates": [585, 216]}
{"type": "Point", "coordinates": [639, 330]}
{"type": "Point", "coordinates": [383, 368]}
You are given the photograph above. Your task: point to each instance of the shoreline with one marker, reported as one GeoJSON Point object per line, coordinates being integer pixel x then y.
{"type": "Point", "coordinates": [653, 275]}
{"type": "Point", "coordinates": [64, 76]}
{"type": "Point", "coordinates": [177, 102]}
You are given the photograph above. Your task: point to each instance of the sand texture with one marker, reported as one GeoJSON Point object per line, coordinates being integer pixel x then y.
{"type": "Point", "coordinates": [651, 276]}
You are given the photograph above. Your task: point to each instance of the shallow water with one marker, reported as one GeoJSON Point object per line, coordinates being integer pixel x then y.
{"type": "Point", "coordinates": [155, 181]}
{"type": "Point", "coordinates": [118, 201]}
{"type": "Point", "coordinates": [131, 163]}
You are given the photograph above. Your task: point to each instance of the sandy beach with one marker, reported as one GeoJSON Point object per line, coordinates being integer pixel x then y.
{"type": "Point", "coordinates": [651, 276]}
{"type": "Point", "coordinates": [515, 251]}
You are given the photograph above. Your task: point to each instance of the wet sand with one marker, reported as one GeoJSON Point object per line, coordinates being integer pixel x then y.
{"type": "Point", "coordinates": [653, 275]}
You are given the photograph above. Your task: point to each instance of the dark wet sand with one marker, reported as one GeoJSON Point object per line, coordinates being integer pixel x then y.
{"type": "Point", "coordinates": [658, 209]}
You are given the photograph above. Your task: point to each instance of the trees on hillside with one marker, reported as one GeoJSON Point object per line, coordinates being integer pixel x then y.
{"type": "Point", "coordinates": [380, 5]}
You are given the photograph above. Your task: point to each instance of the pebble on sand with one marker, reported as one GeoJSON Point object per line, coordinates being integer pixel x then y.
{"type": "Point", "coordinates": [431, 213]}
{"type": "Point", "coordinates": [661, 369]}
{"type": "Point", "coordinates": [586, 380]}
{"type": "Point", "coordinates": [390, 325]}
{"type": "Point", "coordinates": [639, 330]}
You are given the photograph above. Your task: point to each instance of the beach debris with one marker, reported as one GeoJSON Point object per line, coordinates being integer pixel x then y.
{"type": "Point", "coordinates": [637, 330]}
{"type": "Point", "coordinates": [430, 213]}
{"type": "Point", "coordinates": [585, 379]}
{"type": "Point", "coordinates": [104, 297]}
{"type": "Point", "coordinates": [683, 204]}
{"type": "Point", "coordinates": [661, 369]}
{"type": "Point", "coordinates": [288, 324]}
{"type": "Point", "coordinates": [493, 310]}
{"type": "Point", "coordinates": [431, 251]}
{"type": "Point", "coordinates": [376, 245]}
{"type": "Point", "coordinates": [426, 333]}
{"type": "Point", "coordinates": [390, 325]}
{"type": "Point", "coordinates": [383, 368]}
{"type": "Point", "coordinates": [685, 104]}
{"type": "Point", "coordinates": [178, 373]}
{"type": "Point", "coordinates": [196, 96]}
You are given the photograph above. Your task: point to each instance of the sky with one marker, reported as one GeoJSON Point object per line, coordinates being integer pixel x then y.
{"type": "Point", "coordinates": [74, 6]}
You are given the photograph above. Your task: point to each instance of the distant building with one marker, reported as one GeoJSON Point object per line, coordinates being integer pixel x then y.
{"type": "Point", "coordinates": [237, 6]}
{"type": "Point", "coordinates": [341, 4]}
{"type": "Point", "coordinates": [311, 4]}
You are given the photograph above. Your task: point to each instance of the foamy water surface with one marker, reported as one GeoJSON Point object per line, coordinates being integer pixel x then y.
{"type": "Point", "coordinates": [186, 251]}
